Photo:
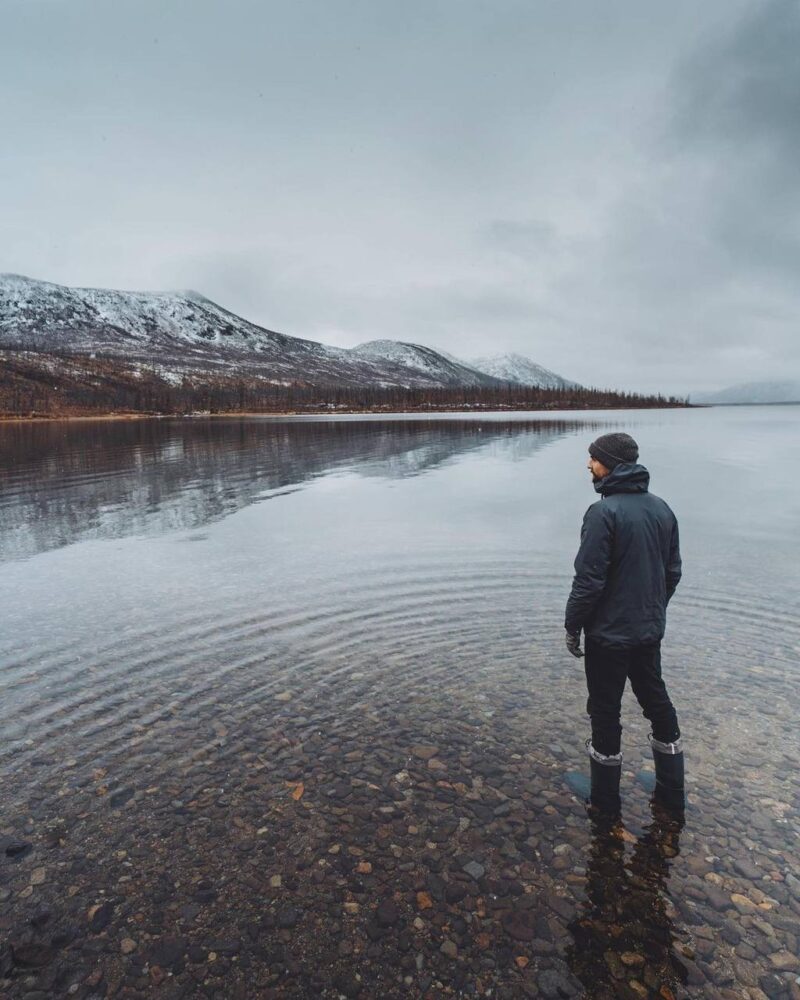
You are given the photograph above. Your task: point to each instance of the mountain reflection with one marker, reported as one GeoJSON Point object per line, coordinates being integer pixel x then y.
{"type": "Point", "coordinates": [64, 482]}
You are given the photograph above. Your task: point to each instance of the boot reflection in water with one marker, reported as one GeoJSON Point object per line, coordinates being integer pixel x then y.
{"type": "Point", "coordinates": [623, 931]}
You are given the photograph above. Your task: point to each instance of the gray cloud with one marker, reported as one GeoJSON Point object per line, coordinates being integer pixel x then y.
{"type": "Point", "coordinates": [742, 88]}
{"type": "Point", "coordinates": [526, 239]}
{"type": "Point", "coordinates": [608, 188]}
{"type": "Point", "coordinates": [738, 106]}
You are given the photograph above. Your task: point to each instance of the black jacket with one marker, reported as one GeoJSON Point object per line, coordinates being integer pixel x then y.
{"type": "Point", "coordinates": [628, 565]}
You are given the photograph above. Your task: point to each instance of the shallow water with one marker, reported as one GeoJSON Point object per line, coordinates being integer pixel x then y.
{"type": "Point", "coordinates": [263, 675]}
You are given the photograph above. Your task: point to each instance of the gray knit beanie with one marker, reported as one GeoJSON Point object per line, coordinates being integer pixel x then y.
{"type": "Point", "coordinates": [614, 449]}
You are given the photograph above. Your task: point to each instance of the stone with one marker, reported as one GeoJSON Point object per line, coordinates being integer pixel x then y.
{"type": "Point", "coordinates": [455, 892]}
{"type": "Point", "coordinates": [288, 916]}
{"type": "Point", "coordinates": [562, 906]}
{"type": "Point", "coordinates": [553, 984]}
{"type": "Point", "coordinates": [748, 870]}
{"type": "Point", "coordinates": [127, 946]}
{"type": "Point", "coordinates": [32, 955]}
{"type": "Point", "coordinates": [519, 924]}
{"type": "Point", "coordinates": [387, 913]}
{"type": "Point", "coordinates": [449, 948]}
{"type": "Point", "coordinates": [18, 849]}
{"type": "Point", "coordinates": [474, 869]}
{"type": "Point", "coordinates": [40, 918]}
{"type": "Point", "coordinates": [120, 797]}
{"type": "Point", "coordinates": [167, 953]}
{"type": "Point", "coordinates": [94, 978]}
{"type": "Point", "coordinates": [190, 911]}
{"type": "Point", "coordinates": [100, 917]}
{"type": "Point", "coordinates": [784, 961]}
{"type": "Point", "coordinates": [347, 984]}
{"type": "Point", "coordinates": [614, 964]}
{"type": "Point", "coordinates": [631, 958]}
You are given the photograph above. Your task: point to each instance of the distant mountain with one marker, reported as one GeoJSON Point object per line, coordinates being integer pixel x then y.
{"type": "Point", "coordinates": [517, 368]}
{"type": "Point", "coordinates": [173, 334]}
{"type": "Point", "coordinates": [753, 392]}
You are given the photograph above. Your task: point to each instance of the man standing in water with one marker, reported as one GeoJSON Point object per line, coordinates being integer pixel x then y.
{"type": "Point", "coordinates": [626, 570]}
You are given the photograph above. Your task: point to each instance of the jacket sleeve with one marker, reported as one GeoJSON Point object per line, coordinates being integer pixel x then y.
{"type": "Point", "coordinates": [673, 569]}
{"type": "Point", "coordinates": [591, 566]}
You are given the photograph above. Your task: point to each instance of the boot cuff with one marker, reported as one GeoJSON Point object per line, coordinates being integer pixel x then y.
{"type": "Point", "coordinates": [669, 748]}
{"type": "Point", "coordinates": [610, 760]}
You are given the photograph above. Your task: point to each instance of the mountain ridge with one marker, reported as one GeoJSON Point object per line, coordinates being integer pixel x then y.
{"type": "Point", "coordinates": [767, 391]}
{"type": "Point", "coordinates": [173, 334]}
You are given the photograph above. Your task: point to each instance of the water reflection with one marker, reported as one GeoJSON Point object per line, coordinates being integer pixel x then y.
{"type": "Point", "coordinates": [254, 715]}
{"type": "Point", "coordinates": [63, 482]}
{"type": "Point", "coordinates": [624, 935]}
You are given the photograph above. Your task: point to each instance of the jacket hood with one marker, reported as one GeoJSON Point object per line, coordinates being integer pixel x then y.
{"type": "Point", "coordinates": [627, 477]}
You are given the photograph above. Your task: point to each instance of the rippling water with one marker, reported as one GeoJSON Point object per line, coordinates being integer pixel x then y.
{"type": "Point", "coordinates": [209, 612]}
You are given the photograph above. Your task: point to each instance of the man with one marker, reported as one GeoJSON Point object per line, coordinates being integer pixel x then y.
{"type": "Point", "coordinates": [626, 571]}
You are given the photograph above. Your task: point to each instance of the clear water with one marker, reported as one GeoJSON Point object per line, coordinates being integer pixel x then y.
{"type": "Point", "coordinates": [207, 612]}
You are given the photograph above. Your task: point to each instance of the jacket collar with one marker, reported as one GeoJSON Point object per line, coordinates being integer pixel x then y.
{"type": "Point", "coordinates": [627, 477]}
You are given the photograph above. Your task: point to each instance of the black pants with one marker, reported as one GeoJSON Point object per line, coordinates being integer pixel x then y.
{"type": "Point", "coordinates": [607, 669]}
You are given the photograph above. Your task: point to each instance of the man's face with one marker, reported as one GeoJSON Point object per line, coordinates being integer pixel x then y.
{"type": "Point", "coordinates": [597, 469]}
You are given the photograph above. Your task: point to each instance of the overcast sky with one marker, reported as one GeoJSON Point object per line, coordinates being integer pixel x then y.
{"type": "Point", "coordinates": [610, 188]}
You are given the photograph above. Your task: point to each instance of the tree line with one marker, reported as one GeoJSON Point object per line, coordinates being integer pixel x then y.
{"type": "Point", "coordinates": [33, 385]}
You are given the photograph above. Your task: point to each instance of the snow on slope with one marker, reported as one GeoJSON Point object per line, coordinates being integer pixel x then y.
{"type": "Point", "coordinates": [423, 359]}
{"type": "Point", "coordinates": [57, 316]}
{"type": "Point", "coordinates": [518, 368]}
{"type": "Point", "coordinates": [185, 332]}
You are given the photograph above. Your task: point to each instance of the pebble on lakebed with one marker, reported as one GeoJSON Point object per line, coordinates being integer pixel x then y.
{"type": "Point", "coordinates": [431, 853]}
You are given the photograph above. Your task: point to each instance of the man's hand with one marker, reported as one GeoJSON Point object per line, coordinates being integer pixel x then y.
{"type": "Point", "coordinates": [574, 644]}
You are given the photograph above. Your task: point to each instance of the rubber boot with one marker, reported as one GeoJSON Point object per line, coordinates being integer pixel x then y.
{"type": "Point", "coordinates": [606, 771]}
{"type": "Point", "coordinates": [668, 759]}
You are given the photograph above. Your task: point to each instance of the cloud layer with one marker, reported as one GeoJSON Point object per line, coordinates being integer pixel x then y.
{"type": "Point", "coordinates": [608, 188]}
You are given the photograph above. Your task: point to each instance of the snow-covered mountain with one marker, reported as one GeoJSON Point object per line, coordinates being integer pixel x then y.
{"type": "Point", "coordinates": [177, 333]}
{"type": "Point", "coordinates": [173, 334]}
{"type": "Point", "coordinates": [753, 392]}
{"type": "Point", "coordinates": [423, 359]}
{"type": "Point", "coordinates": [518, 368]}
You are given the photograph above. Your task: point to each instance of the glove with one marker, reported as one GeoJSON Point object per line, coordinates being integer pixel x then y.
{"type": "Point", "coordinates": [574, 644]}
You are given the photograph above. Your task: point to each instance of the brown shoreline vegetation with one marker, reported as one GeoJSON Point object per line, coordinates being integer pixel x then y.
{"type": "Point", "coordinates": [39, 386]}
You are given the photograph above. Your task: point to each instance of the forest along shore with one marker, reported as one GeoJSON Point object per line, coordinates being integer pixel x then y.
{"type": "Point", "coordinates": [39, 385]}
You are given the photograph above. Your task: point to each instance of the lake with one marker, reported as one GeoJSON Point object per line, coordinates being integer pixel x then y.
{"type": "Point", "coordinates": [286, 711]}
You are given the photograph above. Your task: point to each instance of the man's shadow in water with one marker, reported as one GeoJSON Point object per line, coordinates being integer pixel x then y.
{"type": "Point", "coordinates": [622, 931]}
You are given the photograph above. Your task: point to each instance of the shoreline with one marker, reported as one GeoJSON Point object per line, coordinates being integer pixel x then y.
{"type": "Point", "coordinates": [58, 417]}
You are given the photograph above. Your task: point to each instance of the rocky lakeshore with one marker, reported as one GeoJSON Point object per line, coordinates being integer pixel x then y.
{"type": "Point", "coordinates": [414, 854]}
